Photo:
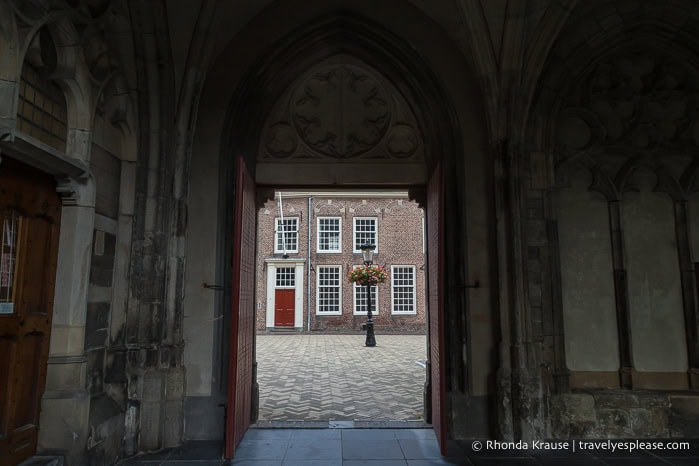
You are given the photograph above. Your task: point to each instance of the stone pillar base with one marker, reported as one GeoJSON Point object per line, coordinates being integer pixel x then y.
{"type": "Point", "coordinates": [64, 425]}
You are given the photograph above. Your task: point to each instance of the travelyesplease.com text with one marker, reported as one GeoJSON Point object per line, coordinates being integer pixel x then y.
{"type": "Point", "coordinates": [580, 445]}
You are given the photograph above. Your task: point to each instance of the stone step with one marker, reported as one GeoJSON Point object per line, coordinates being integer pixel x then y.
{"type": "Point", "coordinates": [44, 461]}
{"type": "Point", "coordinates": [282, 330]}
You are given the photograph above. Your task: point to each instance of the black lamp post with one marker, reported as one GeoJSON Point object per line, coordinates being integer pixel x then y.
{"type": "Point", "coordinates": [368, 253]}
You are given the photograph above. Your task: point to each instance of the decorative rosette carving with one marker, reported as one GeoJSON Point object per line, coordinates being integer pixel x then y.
{"type": "Point", "coordinates": [281, 141]}
{"type": "Point", "coordinates": [402, 141]}
{"type": "Point", "coordinates": [341, 111]}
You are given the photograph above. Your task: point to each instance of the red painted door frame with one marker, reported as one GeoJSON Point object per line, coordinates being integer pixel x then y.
{"type": "Point", "coordinates": [242, 329]}
{"type": "Point", "coordinates": [435, 261]}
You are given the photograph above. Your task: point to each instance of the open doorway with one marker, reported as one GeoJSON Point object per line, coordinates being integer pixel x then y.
{"type": "Point", "coordinates": [243, 388]}
{"type": "Point", "coordinates": [339, 123]}
{"type": "Point", "coordinates": [372, 116]}
{"type": "Point", "coordinates": [311, 321]}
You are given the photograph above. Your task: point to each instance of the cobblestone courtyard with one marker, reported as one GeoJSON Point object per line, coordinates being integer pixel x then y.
{"type": "Point", "coordinates": [335, 377]}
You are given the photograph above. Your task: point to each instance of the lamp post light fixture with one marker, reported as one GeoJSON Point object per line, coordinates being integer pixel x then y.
{"type": "Point", "coordinates": [368, 253]}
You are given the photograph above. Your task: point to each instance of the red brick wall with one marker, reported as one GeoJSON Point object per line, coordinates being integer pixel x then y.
{"type": "Point", "coordinates": [400, 242]}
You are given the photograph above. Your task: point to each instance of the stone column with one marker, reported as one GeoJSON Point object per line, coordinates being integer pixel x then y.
{"type": "Point", "coordinates": [689, 298]}
{"type": "Point", "coordinates": [65, 406]}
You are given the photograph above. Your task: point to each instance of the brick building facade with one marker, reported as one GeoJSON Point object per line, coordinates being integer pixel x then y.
{"type": "Point", "coordinates": [299, 290]}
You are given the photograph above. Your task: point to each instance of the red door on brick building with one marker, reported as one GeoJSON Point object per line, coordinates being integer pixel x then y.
{"type": "Point", "coordinates": [284, 307]}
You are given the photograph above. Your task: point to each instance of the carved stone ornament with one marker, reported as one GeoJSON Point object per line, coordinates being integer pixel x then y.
{"type": "Point", "coordinates": [282, 141]}
{"type": "Point", "coordinates": [637, 99]}
{"type": "Point", "coordinates": [638, 107]}
{"type": "Point", "coordinates": [341, 111]}
{"type": "Point", "coordinates": [402, 141]}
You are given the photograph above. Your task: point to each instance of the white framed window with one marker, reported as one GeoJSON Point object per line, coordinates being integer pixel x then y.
{"type": "Point", "coordinates": [403, 289]}
{"type": "Point", "coordinates": [360, 303]}
{"type": "Point", "coordinates": [286, 238]}
{"type": "Point", "coordinates": [329, 290]}
{"type": "Point", "coordinates": [285, 277]}
{"type": "Point", "coordinates": [329, 234]}
{"type": "Point", "coordinates": [365, 231]}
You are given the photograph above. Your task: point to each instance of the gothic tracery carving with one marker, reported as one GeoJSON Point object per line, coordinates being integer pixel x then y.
{"type": "Point", "coordinates": [282, 141]}
{"type": "Point", "coordinates": [639, 106]}
{"type": "Point", "coordinates": [641, 100]}
{"type": "Point", "coordinates": [402, 141]}
{"type": "Point", "coordinates": [341, 111]}
{"type": "Point", "coordinates": [80, 24]}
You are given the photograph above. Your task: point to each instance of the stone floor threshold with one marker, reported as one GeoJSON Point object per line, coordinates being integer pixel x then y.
{"type": "Point", "coordinates": [43, 461]}
{"type": "Point", "coordinates": [340, 424]}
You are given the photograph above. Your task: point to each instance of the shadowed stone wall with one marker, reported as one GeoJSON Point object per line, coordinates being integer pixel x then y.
{"type": "Point", "coordinates": [623, 414]}
{"type": "Point", "coordinates": [614, 171]}
{"type": "Point", "coordinates": [568, 130]}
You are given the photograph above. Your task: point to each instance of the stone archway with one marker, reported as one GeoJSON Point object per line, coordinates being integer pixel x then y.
{"type": "Point", "coordinates": [340, 122]}
{"type": "Point", "coordinates": [345, 124]}
{"type": "Point", "coordinates": [612, 146]}
{"type": "Point", "coordinates": [437, 107]}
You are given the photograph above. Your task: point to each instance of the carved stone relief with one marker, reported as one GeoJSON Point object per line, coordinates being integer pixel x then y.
{"type": "Point", "coordinates": [341, 110]}
{"type": "Point", "coordinates": [82, 26]}
{"type": "Point", "coordinates": [281, 141]}
{"type": "Point", "coordinates": [640, 99]}
{"type": "Point", "coordinates": [631, 121]}
{"type": "Point", "coordinates": [639, 108]}
{"type": "Point", "coordinates": [402, 141]}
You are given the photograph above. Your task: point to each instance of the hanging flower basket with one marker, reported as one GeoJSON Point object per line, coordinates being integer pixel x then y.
{"type": "Point", "coordinates": [368, 274]}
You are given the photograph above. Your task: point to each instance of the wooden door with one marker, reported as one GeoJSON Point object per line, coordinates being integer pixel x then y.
{"type": "Point", "coordinates": [435, 263]}
{"type": "Point", "coordinates": [242, 336]}
{"type": "Point", "coordinates": [30, 212]}
{"type": "Point", "coordinates": [284, 307]}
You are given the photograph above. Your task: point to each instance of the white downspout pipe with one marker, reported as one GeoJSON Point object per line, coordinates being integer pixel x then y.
{"type": "Point", "coordinates": [308, 266]}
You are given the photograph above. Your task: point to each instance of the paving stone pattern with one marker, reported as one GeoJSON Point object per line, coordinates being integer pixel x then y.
{"type": "Point", "coordinates": [335, 377]}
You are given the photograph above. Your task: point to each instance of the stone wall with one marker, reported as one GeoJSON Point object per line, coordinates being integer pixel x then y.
{"type": "Point", "coordinates": [586, 282]}
{"type": "Point", "coordinates": [587, 279]}
{"type": "Point", "coordinates": [606, 189]}
{"type": "Point", "coordinates": [106, 406]}
{"type": "Point", "coordinates": [624, 414]}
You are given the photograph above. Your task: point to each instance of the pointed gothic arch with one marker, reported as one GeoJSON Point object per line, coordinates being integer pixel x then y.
{"type": "Point", "coordinates": [342, 37]}
{"type": "Point", "coordinates": [437, 90]}
{"type": "Point", "coordinates": [595, 108]}
{"type": "Point", "coordinates": [342, 54]}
